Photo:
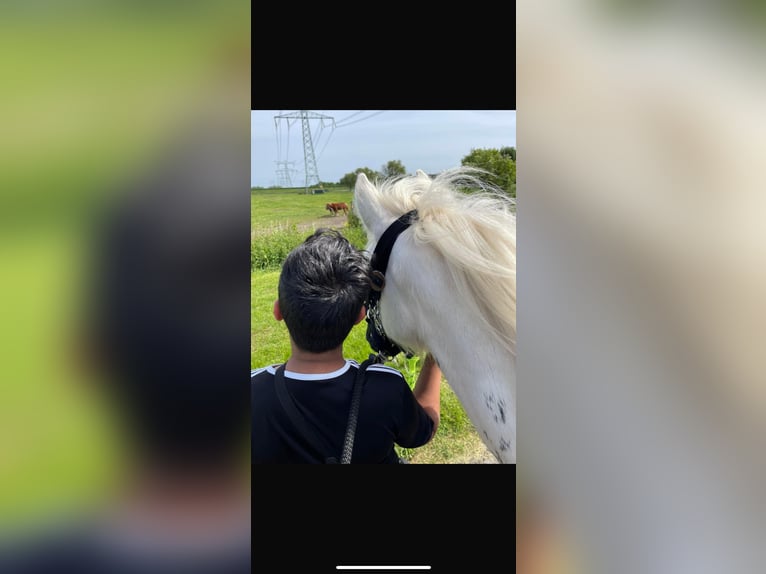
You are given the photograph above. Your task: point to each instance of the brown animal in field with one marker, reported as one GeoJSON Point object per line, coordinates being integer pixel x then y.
{"type": "Point", "coordinates": [334, 208]}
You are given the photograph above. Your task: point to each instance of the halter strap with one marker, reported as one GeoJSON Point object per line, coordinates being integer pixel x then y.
{"type": "Point", "coordinates": [382, 253]}
{"type": "Point", "coordinates": [376, 335]}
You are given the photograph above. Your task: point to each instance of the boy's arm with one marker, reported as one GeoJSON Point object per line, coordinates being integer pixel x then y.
{"type": "Point", "coordinates": [428, 388]}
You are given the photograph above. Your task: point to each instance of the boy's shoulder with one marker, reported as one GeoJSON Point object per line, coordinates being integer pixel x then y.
{"type": "Point", "coordinates": [271, 369]}
{"type": "Point", "coordinates": [350, 363]}
{"type": "Point", "coordinates": [380, 368]}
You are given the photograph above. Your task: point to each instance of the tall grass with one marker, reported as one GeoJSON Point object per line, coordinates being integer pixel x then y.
{"type": "Point", "coordinates": [269, 246]}
{"type": "Point", "coordinates": [269, 249]}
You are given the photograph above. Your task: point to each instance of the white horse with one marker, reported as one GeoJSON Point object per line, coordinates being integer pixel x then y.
{"type": "Point", "coordinates": [451, 288]}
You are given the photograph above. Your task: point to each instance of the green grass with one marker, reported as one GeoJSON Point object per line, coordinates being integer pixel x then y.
{"type": "Point", "coordinates": [281, 208]}
{"type": "Point", "coordinates": [282, 218]}
{"type": "Point", "coordinates": [268, 250]}
{"type": "Point", "coordinates": [269, 341]}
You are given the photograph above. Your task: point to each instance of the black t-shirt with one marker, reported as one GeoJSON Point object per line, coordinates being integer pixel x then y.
{"type": "Point", "coordinates": [388, 415]}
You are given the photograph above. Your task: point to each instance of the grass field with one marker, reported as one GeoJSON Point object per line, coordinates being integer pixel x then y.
{"type": "Point", "coordinates": [280, 208]}
{"type": "Point", "coordinates": [275, 216]}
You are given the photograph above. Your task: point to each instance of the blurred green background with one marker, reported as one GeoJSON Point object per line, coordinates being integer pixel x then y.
{"type": "Point", "coordinates": [92, 94]}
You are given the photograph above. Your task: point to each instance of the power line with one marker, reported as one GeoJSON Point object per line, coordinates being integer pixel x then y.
{"type": "Point", "coordinates": [350, 116]}
{"type": "Point", "coordinates": [359, 120]}
{"type": "Point", "coordinates": [279, 142]}
{"type": "Point", "coordinates": [319, 156]}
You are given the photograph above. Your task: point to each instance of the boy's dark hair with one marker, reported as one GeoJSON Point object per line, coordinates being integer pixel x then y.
{"type": "Point", "coordinates": [322, 288]}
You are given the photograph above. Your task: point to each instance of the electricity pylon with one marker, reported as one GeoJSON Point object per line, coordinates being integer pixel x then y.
{"type": "Point", "coordinates": [284, 178]}
{"type": "Point", "coordinates": [310, 162]}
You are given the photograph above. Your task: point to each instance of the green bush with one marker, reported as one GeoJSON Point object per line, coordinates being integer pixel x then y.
{"type": "Point", "coordinates": [268, 249]}
{"type": "Point", "coordinates": [356, 235]}
{"type": "Point", "coordinates": [353, 221]}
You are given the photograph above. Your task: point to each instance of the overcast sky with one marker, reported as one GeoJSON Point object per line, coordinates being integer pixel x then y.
{"type": "Point", "coordinates": [427, 140]}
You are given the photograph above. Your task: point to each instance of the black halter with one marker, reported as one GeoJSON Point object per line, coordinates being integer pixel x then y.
{"type": "Point", "coordinates": [376, 335]}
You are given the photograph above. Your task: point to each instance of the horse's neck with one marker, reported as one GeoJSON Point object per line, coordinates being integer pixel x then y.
{"type": "Point", "coordinates": [477, 367]}
{"type": "Point", "coordinates": [483, 376]}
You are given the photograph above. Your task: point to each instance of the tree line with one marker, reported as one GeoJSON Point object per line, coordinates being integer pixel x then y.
{"type": "Point", "coordinates": [499, 163]}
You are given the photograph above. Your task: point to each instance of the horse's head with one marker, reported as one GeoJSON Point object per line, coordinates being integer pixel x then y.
{"type": "Point", "coordinates": [460, 252]}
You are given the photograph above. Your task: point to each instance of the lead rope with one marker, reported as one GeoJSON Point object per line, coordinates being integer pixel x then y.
{"type": "Point", "coordinates": [353, 416]}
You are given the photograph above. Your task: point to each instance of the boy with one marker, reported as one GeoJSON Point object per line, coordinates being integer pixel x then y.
{"type": "Point", "coordinates": [322, 289]}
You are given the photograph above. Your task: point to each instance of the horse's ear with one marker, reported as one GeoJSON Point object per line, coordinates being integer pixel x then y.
{"type": "Point", "coordinates": [368, 207]}
{"type": "Point", "coordinates": [361, 179]}
{"type": "Point", "coordinates": [363, 184]}
{"type": "Point", "coordinates": [421, 173]}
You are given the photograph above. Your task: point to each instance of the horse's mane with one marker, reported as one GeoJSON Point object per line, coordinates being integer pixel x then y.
{"type": "Point", "coordinates": [474, 233]}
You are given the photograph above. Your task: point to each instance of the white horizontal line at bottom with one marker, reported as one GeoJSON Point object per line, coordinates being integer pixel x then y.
{"type": "Point", "coordinates": [383, 568]}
